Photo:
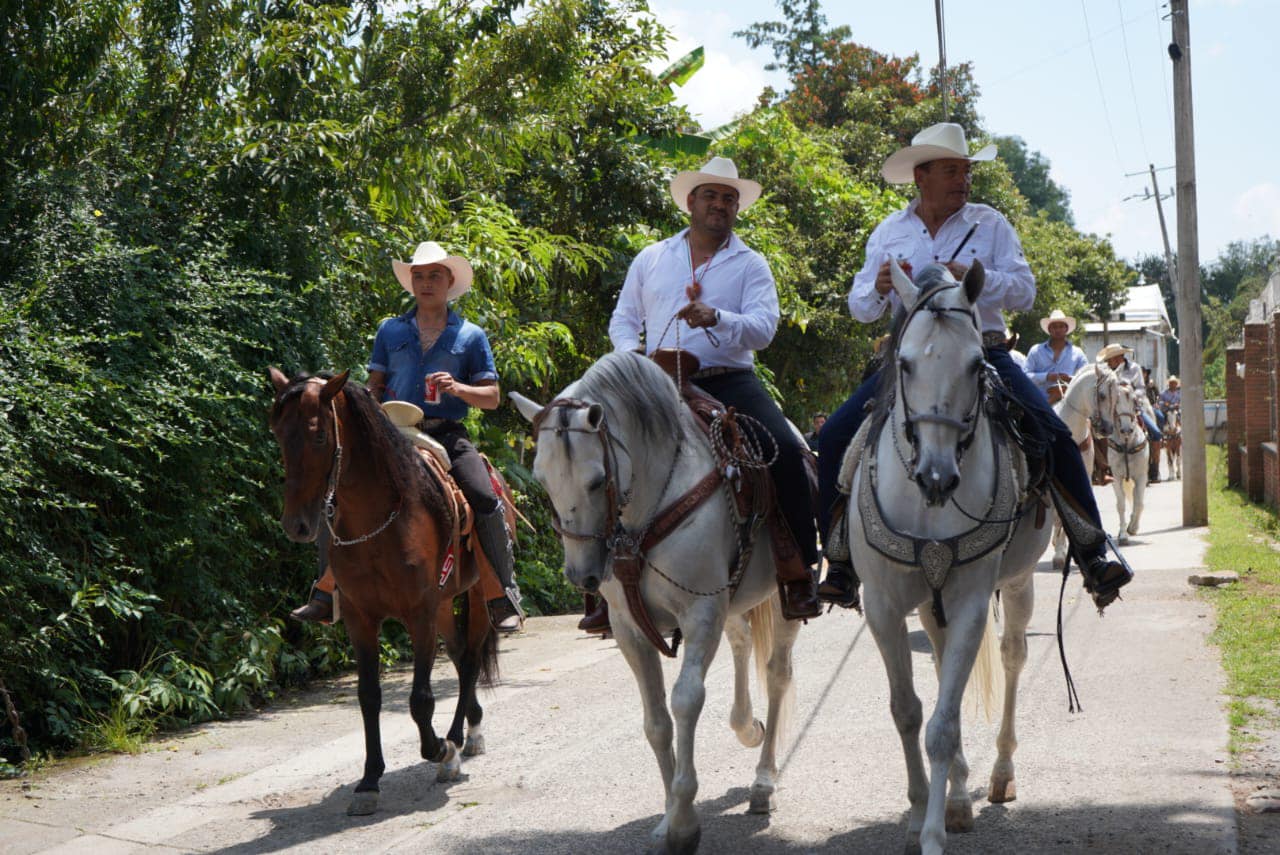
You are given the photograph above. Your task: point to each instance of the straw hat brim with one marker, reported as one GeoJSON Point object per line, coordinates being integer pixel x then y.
{"type": "Point", "coordinates": [901, 165]}
{"type": "Point", "coordinates": [458, 266]}
{"type": "Point", "coordinates": [684, 183]}
{"type": "Point", "coordinates": [1070, 322]}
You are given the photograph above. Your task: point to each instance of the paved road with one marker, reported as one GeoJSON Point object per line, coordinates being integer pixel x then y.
{"type": "Point", "coordinates": [1143, 769]}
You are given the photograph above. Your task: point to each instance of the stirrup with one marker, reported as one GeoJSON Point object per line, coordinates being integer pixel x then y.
{"type": "Point", "coordinates": [841, 588]}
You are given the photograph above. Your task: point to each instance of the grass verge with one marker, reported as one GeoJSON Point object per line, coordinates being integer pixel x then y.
{"type": "Point", "coordinates": [1244, 538]}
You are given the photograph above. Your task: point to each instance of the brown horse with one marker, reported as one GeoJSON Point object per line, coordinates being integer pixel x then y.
{"type": "Point", "coordinates": [351, 476]}
{"type": "Point", "coordinates": [1173, 440]}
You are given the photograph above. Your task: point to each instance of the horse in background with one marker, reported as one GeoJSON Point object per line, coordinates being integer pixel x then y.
{"type": "Point", "coordinates": [1130, 453]}
{"type": "Point", "coordinates": [351, 475]}
{"type": "Point", "coordinates": [1173, 441]}
{"type": "Point", "coordinates": [931, 461]}
{"type": "Point", "coordinates": [1085, 407]}
{"type": "Point", "coordinates": [615, 451]}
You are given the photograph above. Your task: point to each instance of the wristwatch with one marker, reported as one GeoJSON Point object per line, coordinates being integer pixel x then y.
{"type": "Point", "coordinates": [717, 317]}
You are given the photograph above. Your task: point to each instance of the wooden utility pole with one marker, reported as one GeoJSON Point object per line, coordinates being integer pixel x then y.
{"type": "Point", "coordinates": [1164, 232]}
{"type": "Point", "coordinates": [1195, 489]}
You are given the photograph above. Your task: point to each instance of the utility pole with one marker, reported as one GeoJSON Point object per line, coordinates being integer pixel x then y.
{"type": "Point", "coordinates": [942, 56]}
{"type": "Point", "coordinates": [1195, 488]}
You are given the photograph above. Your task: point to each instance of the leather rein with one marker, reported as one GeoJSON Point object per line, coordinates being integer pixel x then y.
{"type": "Point", "coordinates": [331, 495]}
{"type": "Point", "coordinates": [627, 547]}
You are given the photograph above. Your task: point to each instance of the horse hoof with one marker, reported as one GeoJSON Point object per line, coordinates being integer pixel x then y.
{"type": "Point", "coordinates": [686, 845]}
{"type": "Point", "coordinates": [1000, 793]}
{"type": "Point", "coordinates": [451, 765]}
{"type": "Point", "coordinates": [959, 817]}
{"type": "Point", "coordinates": [474, 745]}
{"type": "Point", "coordinates": [363, 804]}
{"type": "Point", "coordinates": [755, 737]}
{"type": "Point", "coordinates": [1133, 530]}
{"type": "Point", "coordinates": [1059, 563]}
{"type": "Point", "coordinates": [763, 800]}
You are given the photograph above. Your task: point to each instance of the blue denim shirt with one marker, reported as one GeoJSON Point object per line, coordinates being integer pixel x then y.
{"type": "Point", "coordinates": [462, 350]}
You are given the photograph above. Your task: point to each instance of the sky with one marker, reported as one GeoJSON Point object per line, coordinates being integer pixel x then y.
{"type": "Point", "coordinates": [1087, 83]}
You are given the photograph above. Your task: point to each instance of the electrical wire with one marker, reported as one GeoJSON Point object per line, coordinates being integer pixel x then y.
{"type": "Point", "coordinates": [1133, 90]}
{"type": "Point", "coordinates": [1164, 71]}
{"type": "Point", "coordinates": [1101, 92]}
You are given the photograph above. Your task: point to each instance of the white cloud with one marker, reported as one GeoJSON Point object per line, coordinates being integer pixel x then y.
{"type": "Point", "coordinates": [1256, 211]}
{"type": "Point", "coordinates": [732, 76]}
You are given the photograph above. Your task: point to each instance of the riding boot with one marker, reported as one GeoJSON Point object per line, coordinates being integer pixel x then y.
{"type": "Point", "coordinates": [1103, 579]}
{"type": "Point", "coordinates": [491, 531]}
{"type": "Point", "coordinates": [841, 586]}
{"type": "Point", "coordinates": [319, 609]}
{"type": "Point", "coordinates": [596, 619]}
{"type": "Point", "coordinates": [1153, 466]}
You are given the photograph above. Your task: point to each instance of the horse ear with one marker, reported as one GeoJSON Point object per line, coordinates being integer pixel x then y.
{"type": "Point", "coordinates": [907, 290]}
{"type": "Point", "coordinates": [277, 378]}
{"type": "Point", "coordinates": [974, 279]}
{"type": "Point", "coordinates": [528, 408]}
{"type": "Point", "coordinates": [595, 416]}
{"type": "Point", "coordinates": [333, 386]}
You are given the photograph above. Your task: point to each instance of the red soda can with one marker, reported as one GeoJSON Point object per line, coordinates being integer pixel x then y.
{"type": "Point", "coordinates": [433, 393]}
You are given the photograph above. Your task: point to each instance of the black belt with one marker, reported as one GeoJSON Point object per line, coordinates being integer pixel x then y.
{"type": "Point", "coordinates": [707, 373]}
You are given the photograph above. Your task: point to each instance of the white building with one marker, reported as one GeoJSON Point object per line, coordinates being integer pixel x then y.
{"type": "Point", "coordinates": [1140, 323]}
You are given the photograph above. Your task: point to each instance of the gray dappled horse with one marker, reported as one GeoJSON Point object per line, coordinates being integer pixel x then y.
{"type": "Point", "coordinates": [933, 462]}
{"type": "Point", "coordinates": [615, 449]}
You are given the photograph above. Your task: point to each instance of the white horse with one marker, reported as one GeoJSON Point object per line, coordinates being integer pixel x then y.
{"type": "Point", "coordinates": [937, 463]}
{"type": "Point", "coordinates": [1129, 454]}
{"type": "Point", "coordinates": [614, 450]}
{"type": "Point", "coordinates": [1085, 407]}
{"type": "Point", "coordinates": [1173, 441]}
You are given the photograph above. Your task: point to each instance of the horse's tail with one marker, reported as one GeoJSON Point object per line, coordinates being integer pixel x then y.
{"type": "Point", "coordinates": [986, 681]}
{"type": "Point", "coordinates": [762, 617]}
{"type": "Point", "coordinates": [475, 612]}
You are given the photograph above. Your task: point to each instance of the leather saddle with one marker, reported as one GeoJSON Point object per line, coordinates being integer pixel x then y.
{"type": "Point", "coordinates": [753, 488]}
{"type": "Point", "coordinates": [405, 417]}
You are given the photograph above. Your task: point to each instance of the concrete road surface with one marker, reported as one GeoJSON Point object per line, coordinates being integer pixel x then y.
{"type": "Point", "coordinates": [1143, 769]}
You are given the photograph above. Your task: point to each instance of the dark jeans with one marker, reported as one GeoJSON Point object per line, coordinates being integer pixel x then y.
{"type": "Point", "coordinates": [744, 392]}
{"type": "Point", "coordinates": [467, 469]}
{"type": "Point", "coordinates": [1068, 467]}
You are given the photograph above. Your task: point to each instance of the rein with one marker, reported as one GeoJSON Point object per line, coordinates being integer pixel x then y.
{"type": "Point", "coordinates": [331, 497]}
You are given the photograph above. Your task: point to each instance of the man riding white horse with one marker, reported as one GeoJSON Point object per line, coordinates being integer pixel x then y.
{"type": "Point", "coordinates": [1119, 359]}
{"type": "Point", "coordinates": [943, 226]}
{"type": "Point", "coordinates": [707, 292]}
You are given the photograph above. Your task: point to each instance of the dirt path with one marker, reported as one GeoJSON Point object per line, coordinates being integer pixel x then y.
{"type": "Point", "coordinates": [1143, 769]}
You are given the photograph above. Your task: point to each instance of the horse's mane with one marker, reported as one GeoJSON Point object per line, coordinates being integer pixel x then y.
{"type": "Point", "coordinates": [632, 386]}
{"type": "Point", "coordinates": [390, 449]}
{"type": "Point", "coordinates": [927, 281]}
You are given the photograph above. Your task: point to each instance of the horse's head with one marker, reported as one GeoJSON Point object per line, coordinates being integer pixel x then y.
{"type": "Point", "coordinates": [303, 422]}
{"type": "Point", "coordinates": [1126, 412]}
{"type": "Point", "coordinates": [1105, 388]}
{"type": "Point", "coordinates": [593, 442]}
{"type": "Point", "coordinates": [1173, 422]}
{"type": "Point", "coordinates": [938, 363]}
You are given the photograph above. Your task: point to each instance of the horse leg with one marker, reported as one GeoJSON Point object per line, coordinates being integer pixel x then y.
{"type": "Point", "coordinates": [1059, 545]}
{"type": "Point", "coordinates": [703, 623]}
{"type": "Point", "coordinates": [959, 813]}
{"type": "Point", "coordinates": [742, 721]}
{"type": "Point", "coordinates": [642, 657]}
{"type": "Point", "coordinates": [889, 628]}
{"type": "Point", "coordinates": [1139, 492]}
{"type": "Point", "coordinates": [363, 633]}
{"type": "Point", "coordinates": [966, 620]}
{"type": "Point", "coordinates": [771, 631]}
{"type": "Point", "coordinates": [1118, 486]}
{"type": "Point", "coordinates": [482, 648]}
{"type": "Point", "coordinates": [1018, 598]}
{"type": "Point", "coordinates": [422, 702]}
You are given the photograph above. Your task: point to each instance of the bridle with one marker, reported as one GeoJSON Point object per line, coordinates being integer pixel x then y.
{"type": "Point", "coordinates": [614, 533]}
{"type": "Point", "coordinates": [968, 425]}
{"type": "Point", "coordinates": [331, 495]}
{"type": "Point", "coordinates": [1134, 420]}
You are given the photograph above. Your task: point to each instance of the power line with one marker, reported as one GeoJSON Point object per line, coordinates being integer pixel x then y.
{"type": "Point", "coordinates": [1133, 90]}
{"type": "Point", "coordinates": [1101, 92]}
{"type": "Point", "coordinates": [1164, 73]}
{"type": "Point", "coordinates": [1066, 50]}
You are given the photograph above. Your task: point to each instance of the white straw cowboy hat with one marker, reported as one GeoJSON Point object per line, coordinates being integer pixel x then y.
{"type": "Point", "coordinates": [1054, 317]}
{"type": "Point", "coordinates": [943, 140]}
{"type": "Point", "coordinates": [1174, 381]}
{"type": "Point", "coordinates": [1112, 350]}
{"type": "Point", "coordinates": [430, 252]}
{"type": "Point", "coordinates": [718, 170]}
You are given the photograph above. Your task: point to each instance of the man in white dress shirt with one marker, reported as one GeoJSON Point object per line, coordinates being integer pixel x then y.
{"type": "Point", "coordinates": [941, 226]}
{"type": "Point", "coordinates": [707, 291]}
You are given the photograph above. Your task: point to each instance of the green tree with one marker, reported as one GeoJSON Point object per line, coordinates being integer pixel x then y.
{"type": "Point", "coordinates": [1030, 171]}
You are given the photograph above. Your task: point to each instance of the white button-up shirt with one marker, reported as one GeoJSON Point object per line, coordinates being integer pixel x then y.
{"type": "Point", "coordinates": [737, 282]}
{"type": "Point", "coordinates": [903, 235]}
